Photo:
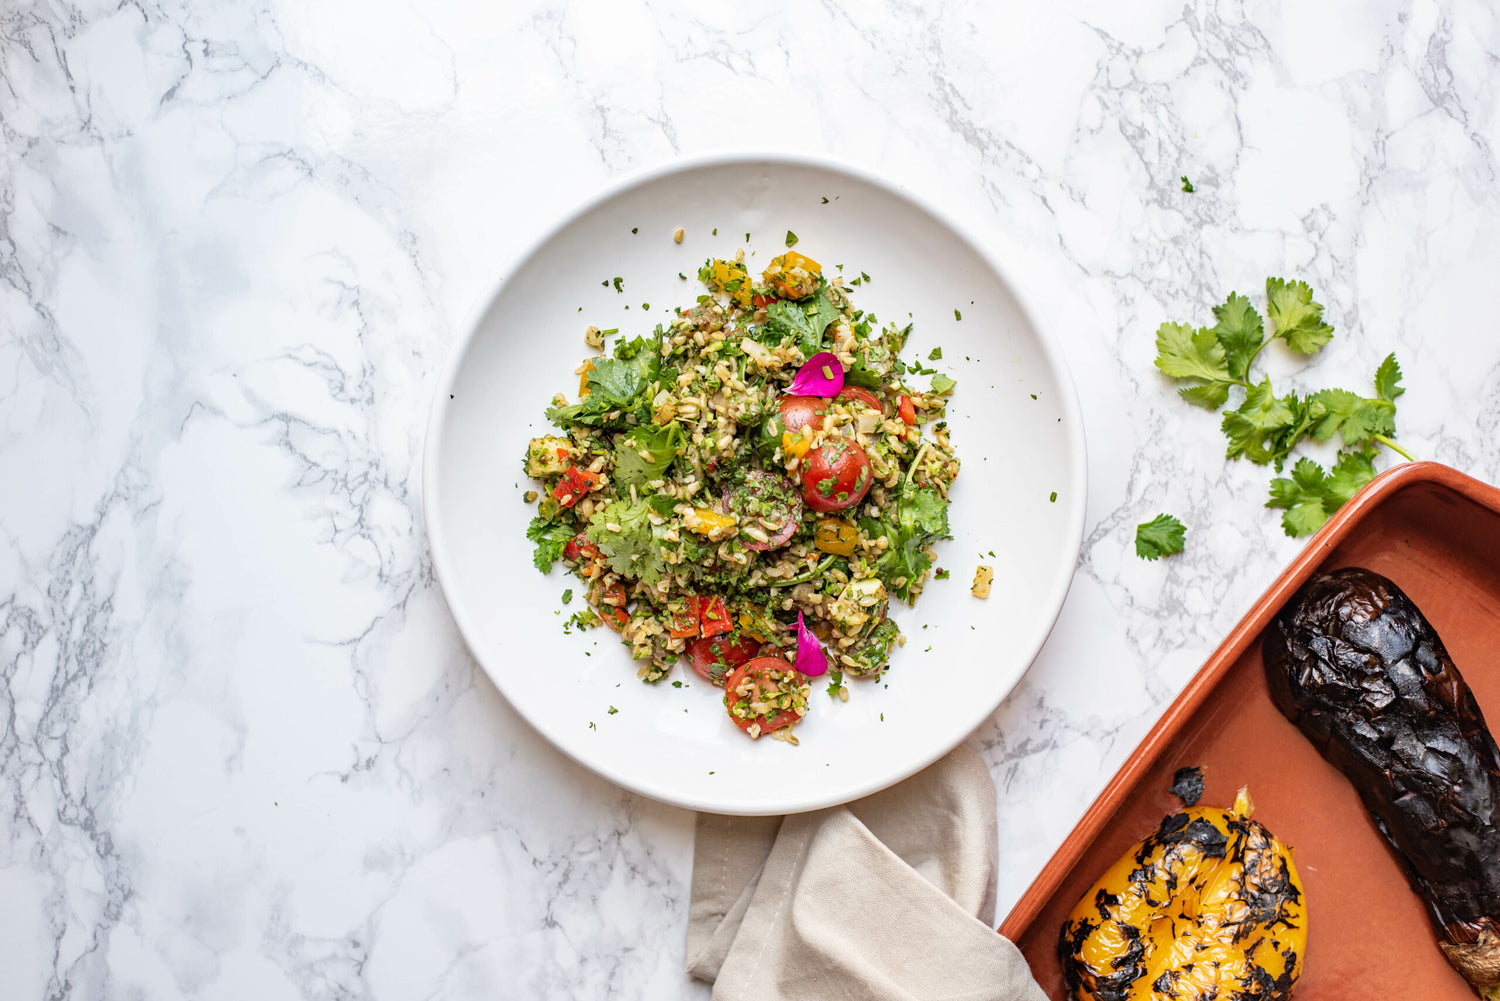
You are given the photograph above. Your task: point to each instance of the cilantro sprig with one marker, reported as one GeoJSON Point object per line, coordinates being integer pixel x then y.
{"type": "Point", "coordinates": [1265, 428]}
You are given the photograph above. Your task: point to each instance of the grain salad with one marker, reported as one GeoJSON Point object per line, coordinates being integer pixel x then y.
{"type": "Point", "coordinates": [750, 485]}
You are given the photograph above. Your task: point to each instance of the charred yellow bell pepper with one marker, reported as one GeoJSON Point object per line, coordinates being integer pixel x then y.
{"type": "Point", "coordinates": [792, 275]}
{"type": "Point", "coordinates": [730, 277]}
{"type": "Point", "coordinates": [1208, 906]}
{"type": "Point", "coordinates": [835, 536]}
{"type": "Point", "coordinates": [583, 379]}
{"type": "Point", "coordinates": [794, 444]}
{"type": "Point", "coordinates": [714, 524]}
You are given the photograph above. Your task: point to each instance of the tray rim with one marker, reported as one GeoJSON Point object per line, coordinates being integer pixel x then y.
{"type": "Point", "coordinates": [1344, 521]}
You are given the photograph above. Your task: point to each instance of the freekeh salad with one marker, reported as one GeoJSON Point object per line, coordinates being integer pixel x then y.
{"type": "Point", "coordinates": [749, 486]}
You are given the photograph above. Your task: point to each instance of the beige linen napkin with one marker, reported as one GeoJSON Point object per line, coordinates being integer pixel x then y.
{"type": "Point", "coordinates": [889, 897]}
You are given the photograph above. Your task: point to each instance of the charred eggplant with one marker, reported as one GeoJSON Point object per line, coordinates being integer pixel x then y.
{"type": "Point", "coordinates": [1353, 662]}
{"type": "Point", "coordinates": [1208, 906]}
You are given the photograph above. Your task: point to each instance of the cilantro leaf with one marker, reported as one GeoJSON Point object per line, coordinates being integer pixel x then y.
{"type": "Point", "coordinates": [1263, 427]}
{"type": "Point", "coordinates": [550, 539]}
{"type": "Point", "coordinates": [646, 453]}
{"type": "Point", "coordinates": [1388, 379]}
{"type": "Point", "coordinates": [921, 518]}
{"type": "Point", "coordinates": [1355, 418]}
{"type": "Point", "coordinates": [1294, 317]}
{"type": "Point", "coordinates": [624, 534]}
{"type": "Point", "coordinates": [1309, 496]}
{"type": "Point", "coordinates": [617, 383]}
{"type": "Point", "coordinates": [1240, 333]}
{"type": "Point", "coordinates": [1187, 185]}
{"type": "Point", "coordinates": [1185, 353]}
{"type": "Point", "coordinates": [805, 321]}
{"type": "Point", "coordinates": [1161, 536]}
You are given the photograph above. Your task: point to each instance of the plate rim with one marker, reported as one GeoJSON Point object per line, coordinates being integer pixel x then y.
{"type": "Point", "coordinates": [1075, 433]}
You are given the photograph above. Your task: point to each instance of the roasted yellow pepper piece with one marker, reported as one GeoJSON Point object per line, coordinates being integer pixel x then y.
{"type": "Point", "coordinates": [793, 275]}
{"type": "Point", "coordinates": [1209, 905]}
{"type": "Point", "coordinates": [583, 379]}
{"type": "Point", "coordinates": [731, 277]}
{"type": "Point", "coordinates": [714, 524]}
{"type": "Point", "coordinates": [835, 536]}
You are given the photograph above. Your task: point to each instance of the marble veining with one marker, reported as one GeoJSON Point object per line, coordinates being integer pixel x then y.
{"type": "Point", "coordinates": [243, 751]}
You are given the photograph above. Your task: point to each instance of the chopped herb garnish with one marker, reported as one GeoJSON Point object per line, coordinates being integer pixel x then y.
{"type": "Point", "coordinates": [791, 238]}
{"type": "Point", "coordinates": [635, 229]}
{"type": "Point", "coordinates": [1053, 498]}
{"type": "Point", "coordinates": [567, 596]}
{"type": "Point", "coordinates": [940, 574]}
{"type": "Point", "coordinates": [1187, 185]}
{"type": "Point", "coordinates": [613, 710]}
{"type": "Point", "coordinates": [936, 354]}
{"type": "Point", "coordinates": [957, 315]}
{"type": "Point", "coordinates": [619, 284]}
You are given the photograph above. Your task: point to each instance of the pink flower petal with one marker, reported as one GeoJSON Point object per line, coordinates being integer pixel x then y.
{"type": "Point", "coordinates": [821, 375]}
{"type": "Point", "coordinates": [811, 660]}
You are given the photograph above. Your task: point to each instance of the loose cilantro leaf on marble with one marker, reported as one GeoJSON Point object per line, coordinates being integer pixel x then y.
{"type": "Point", "coordinates": [1265, 427]}
{"type": "Point", "coordinates": [1161, 536]}
{"type": "Point", "coordinates": [1294, 317]}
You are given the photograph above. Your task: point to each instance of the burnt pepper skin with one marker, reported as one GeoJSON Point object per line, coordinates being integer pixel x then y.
{"type": "Point", "coordinates": [1358, 668]}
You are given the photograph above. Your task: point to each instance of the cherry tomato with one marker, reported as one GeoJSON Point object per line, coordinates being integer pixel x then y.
{"type": "Point", "coordinates": [798, 412]}
{"type": "Point", "coordinates": [864, 396]}
{"type": "Point", "coordinates": [907, 410]}
{"type": "Point", "coordinates": [714, 658]}
{"type": "Point", "coordinates": [836, 475]}
{"type": "Point", "coordinates": [767, 679]}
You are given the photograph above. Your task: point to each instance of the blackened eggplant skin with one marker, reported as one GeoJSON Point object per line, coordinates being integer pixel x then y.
{"type": "Point", "coordinates": [1357, 667]}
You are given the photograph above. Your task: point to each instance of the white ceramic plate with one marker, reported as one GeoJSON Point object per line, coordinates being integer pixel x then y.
{"type": "Point", "coordinates": [1015, 423]}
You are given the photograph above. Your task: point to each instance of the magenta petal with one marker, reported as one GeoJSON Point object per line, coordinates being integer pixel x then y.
{"type": "Point", "coordinates": [821, 375]}
{"type": "Point", "coordinates": [811, 660]}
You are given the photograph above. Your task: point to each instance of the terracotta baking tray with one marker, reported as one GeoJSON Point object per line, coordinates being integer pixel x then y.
{"type": "Point", "coordinates": [1436, 533]}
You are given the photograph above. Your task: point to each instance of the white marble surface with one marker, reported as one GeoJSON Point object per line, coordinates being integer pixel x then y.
{"type": "Point", "coordinates": [242, 752]}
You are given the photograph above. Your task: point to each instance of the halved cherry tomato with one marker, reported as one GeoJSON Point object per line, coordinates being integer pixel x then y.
{"type": "Point", "coordinates": [574, 484]}
{"type": "Point", "coordinates": [765, 678]}
{"type": "Point", "coordinates": [864, 396]}
{"type": "Point", "coordinates": [836, 475]}
{"type": "Point", "coordinates": [800, 417]}
{"type": "Point", "coordinates": [579, 548]}
{"type": "Point", "coordinates": [713, 617]}
{"type": "Point", "coordinates": [907, 410]}
{"type": "Point", "coordinates": [798, 412]}
{"type": "Point", "coordinates": [614, 616]}
{"type": "Point", "coordinates": [714, 658]}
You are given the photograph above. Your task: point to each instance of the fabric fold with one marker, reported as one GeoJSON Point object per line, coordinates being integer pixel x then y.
{"type": "Point", "coordinates": [890, 897]}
